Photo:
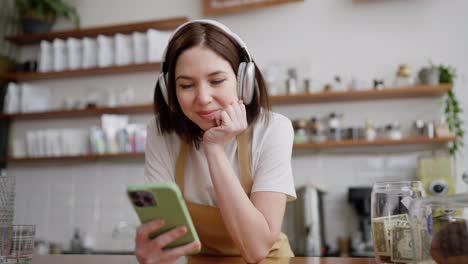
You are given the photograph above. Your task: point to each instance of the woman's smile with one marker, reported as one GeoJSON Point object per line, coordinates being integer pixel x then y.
{"type": "Point", "coordinates": [207, 115]}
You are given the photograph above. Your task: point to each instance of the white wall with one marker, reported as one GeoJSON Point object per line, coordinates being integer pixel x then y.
{"type": "Point", "coordinates": [323, 38]}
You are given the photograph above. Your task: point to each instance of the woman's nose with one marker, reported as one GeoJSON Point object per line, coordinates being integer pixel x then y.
{"type": "Point", "coordinates": [204, 95]}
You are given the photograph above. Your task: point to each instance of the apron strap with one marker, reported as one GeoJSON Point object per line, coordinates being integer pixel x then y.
{"type": "Point", "coordinates": [180, 167]}
{"type": "Point", "coordinates": [243, 156]}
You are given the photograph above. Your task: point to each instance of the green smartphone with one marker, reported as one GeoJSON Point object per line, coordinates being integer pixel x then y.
{"type": "Point", "coordinates": [163, 201]}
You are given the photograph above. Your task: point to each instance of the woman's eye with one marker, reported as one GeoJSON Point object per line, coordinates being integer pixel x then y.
{"type": "Point", "coordinates": [185, 86]}
{"type": "Point", "coordinates": [215, 82]}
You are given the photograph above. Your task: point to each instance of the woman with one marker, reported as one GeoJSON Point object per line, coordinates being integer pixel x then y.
{"type": "Point", "coordinates": [216, 138]}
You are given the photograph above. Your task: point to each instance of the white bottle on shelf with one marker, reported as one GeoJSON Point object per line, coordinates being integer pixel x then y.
{"type": "Point", "coordinates": [75, 52]}
{"type": "Point", "coordinates": [60, 55]}
{"type": "Point", "coordinates": [90, 47]}
{"type": "Point", "coordinates": [46, 59]}
{"type": "Point", "coordinates": [106, 48]}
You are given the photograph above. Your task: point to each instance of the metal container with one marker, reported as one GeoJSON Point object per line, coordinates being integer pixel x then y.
{"type": "Point", "coordinates": [304, 222]}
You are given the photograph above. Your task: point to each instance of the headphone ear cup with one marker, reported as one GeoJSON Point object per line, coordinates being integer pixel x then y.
{"type": "Point", "coordinates": [163, 87]}
{"type": "Point", "coordinates": [240, 80]}
{"type": "Point", "coordinates": [249, 83]}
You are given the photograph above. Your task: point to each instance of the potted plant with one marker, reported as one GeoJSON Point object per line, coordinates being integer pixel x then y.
{"type": "Point", "coordinates": [39, 15]}
{"type": "Point", "coordinates": [452, 109]}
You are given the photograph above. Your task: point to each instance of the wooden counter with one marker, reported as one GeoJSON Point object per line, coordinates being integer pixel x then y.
{"type": "Point", "coordinates": [103, 259]}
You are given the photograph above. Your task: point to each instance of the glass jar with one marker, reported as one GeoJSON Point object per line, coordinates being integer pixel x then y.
{"type": "Point", "coordinates": [440, 229]}
{"type": "Point", "coordinates": [391, 226]}
{"type": "Point", "coordinates": [317, 130]}
{"type": "Point", "coordinates": [334, 134]}
{"type": "Point", "coordinates": [393, 131]}
{"type": "Point", "coordinates": [300, 131]}
{"type": "Point", "coordinates": [370, 133]}
{"type": "Point", "coordinates": [334, 120]}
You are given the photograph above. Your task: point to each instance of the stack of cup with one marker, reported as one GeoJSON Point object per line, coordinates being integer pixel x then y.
{"type": "Point", "coordinates": [16, 241]}
{"type": "Point", "coordinates": [7, 201]}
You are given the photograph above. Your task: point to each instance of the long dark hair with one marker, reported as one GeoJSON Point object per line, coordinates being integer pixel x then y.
{"type": "Point", "coordinates": [171, 118]}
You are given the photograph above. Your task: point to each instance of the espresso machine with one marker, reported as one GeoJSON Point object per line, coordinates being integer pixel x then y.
{"type": "Point", "coordinates": [362, 245]}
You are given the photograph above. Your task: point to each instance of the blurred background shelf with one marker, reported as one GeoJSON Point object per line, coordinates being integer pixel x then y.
{"type": "Point", "coordinates": [33, 76]}
{"type": "Point", "coordinates": [127, 28]}
{"type": "Point", "coordinates": [127, 109]}
{"type": "Point", "coordinates": [76, 157]}
{"type": "Point", "coordinates": [302, 146]}
{"type": "Point", "coordinates": [362, 95]}
{"type": "Point", "coordinates": [389, 93]}
{"type": "Point", "coordinates": [377, 142]}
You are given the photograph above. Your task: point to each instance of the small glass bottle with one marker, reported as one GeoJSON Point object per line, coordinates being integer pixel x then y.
{"type": "Point", "coordinates": [317, 130]}
{"type": "Point", "coordinates": [291, 82]}
{"type": "Point", "coordinates": [300, 131]}
{"type": "Point", "coordinates": [308, 86]}
{"type": "Point", "coordinates": [393, 131]}
{"type": "Point", "coordinates": [369, 130]}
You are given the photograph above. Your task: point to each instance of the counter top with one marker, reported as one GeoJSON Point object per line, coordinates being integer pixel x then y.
{"type": "Point", "coordinates": [102, 259]}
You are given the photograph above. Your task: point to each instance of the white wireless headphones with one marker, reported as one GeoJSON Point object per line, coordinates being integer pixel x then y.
{"type": "Point", "coordinates": [245, 72]}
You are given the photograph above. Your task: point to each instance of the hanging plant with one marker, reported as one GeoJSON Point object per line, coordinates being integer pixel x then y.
{"type": "Point", "coordinates": [452, 110]}
{"type": "Point", "coordinates": [39, 15]}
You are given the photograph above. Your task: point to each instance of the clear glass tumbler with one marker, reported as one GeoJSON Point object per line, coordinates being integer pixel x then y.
{"type": "Point", "coordinates": [391, 225]}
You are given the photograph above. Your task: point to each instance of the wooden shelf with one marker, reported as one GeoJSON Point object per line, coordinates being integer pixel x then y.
{"type": "Point", "coordinates": [389, 93]}
{"type": "Point", "coordinates": [361, 95]}
{"type": "Point", "coordinates": [32, 76]}
{"type": "Point", "coordinates": [304, 146]}
{"type": "Point", "coordinates": [144, 108]}
{"type": "Point", "coordinates": [163, 24]}
{"type": "Point", "coordinates": [77, 157]}
{"type": "Point", "coordinates": [378, 142]}
{"type": "Point", "coordinates": [213, 9]}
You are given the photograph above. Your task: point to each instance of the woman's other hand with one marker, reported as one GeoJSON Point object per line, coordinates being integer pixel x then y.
{"type": "Point", "coordinates": [150, 251]}
{"type": "Point", "coordinates": [230, 122]}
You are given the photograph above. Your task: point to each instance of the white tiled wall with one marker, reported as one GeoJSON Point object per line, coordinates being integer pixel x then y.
{"type": "Point", "coordinates": [89, 196]}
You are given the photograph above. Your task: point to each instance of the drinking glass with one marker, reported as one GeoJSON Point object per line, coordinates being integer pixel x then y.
{"type": "Point", "coordinates": [391, 226]}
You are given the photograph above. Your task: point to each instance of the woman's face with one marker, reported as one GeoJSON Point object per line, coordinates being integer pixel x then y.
{"type": "Point", "coordinates": [205, 85]}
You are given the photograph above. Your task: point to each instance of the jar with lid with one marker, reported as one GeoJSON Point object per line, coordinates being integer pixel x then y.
{"type": "Point", "coordinates": [350, 133]}
{"type": "Point", "coordinates": [317, 130]}
{"type": "Point", "coordinates": [291, 82]}
{"type": "Point", "coordinates": [308, 86]}
{"type": "Point", "coordinates": [334, 134]}
{"type": "Point", "coordinates": [393, 131]}
{"type": "Point", "coordinates": [369, 130]}
{"type": "Point", "coordinates": [334, 120]}
{"type": "Point", "coordinates": [300, 131]}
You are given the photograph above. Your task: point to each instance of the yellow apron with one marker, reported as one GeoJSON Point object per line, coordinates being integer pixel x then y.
{"type": "Point", "coordinates": [207, 219]}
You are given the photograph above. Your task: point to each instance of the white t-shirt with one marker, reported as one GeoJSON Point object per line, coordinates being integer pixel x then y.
{"type": "Point", "coordinates": [270, 146]}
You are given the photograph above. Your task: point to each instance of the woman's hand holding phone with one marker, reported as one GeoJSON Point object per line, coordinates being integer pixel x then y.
{"type": "Point", "coordinates": [230, 122]}
{"type": "Point", "coordinates": [150, 251]}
